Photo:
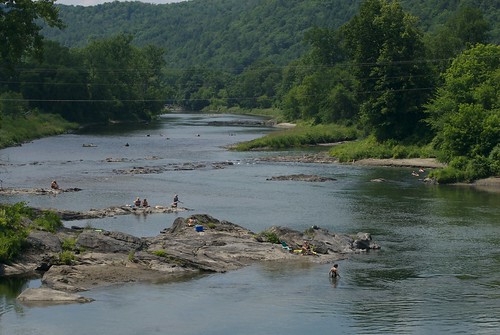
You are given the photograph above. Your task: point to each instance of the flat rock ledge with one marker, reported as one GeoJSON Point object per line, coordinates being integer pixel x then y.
{"type": "Point", "coordinates": [191, 246]}
{"type": "Point", "coordinates": [301, 177]}
{"type": "Point", "coordinates": [37, 191]}
{"type": "Point", "coordinates": [67, 215]}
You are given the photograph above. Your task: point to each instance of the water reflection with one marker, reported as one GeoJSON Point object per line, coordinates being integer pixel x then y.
{"type": "Point", "coordinates": [10, 288]}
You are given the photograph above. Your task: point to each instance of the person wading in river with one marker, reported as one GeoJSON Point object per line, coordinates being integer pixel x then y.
{"type": "Point", "coordinates": [334, 273]}
{"type": "Point", "coordinates": [176, 201]}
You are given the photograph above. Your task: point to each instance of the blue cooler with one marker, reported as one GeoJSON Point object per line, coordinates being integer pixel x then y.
{"type": "Point", "coordinates": [198, 228]}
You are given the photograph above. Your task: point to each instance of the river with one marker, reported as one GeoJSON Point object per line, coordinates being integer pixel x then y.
{"type": "Point", "coordinates": [438, 270]}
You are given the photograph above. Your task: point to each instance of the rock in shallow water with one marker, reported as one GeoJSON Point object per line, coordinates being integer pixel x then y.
{"type": "Point", "coordinates": [50, 296]}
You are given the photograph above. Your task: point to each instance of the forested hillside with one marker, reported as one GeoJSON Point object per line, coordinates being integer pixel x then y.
{"type": "Point", "coordinates": [409, 78]}
{"type": "Point", "coordinates": [232, 34]}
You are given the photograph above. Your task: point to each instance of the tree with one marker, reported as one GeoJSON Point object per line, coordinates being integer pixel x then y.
{"type": "Point", "coordinates": [388, 58]}
{"type": "Point", "coordinates": [257, 85]}
{"type": "Point", "coordinates": [466, 27]}
{"type": "Point", "coordinates": [465, 114]}
{"type": "Point", "coordinates": [20, 28]}
{"type": "Point", "coordinates": [58, 83]}
{"type": "Point", "coordinates": [123, 80]}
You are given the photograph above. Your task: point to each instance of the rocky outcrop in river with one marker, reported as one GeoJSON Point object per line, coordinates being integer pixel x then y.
{"type": "Point", "coordinates": [199, 243]}
{"type": "Point", "coordinates": [37, 191]}
{"type": "Point", "coordinates": [67, 215]}
{"type": "Point", "coordinates": [302, 177]}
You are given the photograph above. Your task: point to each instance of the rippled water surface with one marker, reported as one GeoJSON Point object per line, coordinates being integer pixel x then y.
{"type": "Point", "coordinates": [438, 270]}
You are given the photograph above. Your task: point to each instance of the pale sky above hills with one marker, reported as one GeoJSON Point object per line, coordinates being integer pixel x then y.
{"type": "Point", "coordinates": [97, 2]}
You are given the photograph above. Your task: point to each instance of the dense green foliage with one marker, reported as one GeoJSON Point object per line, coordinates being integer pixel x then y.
{"type": "Point", "coordinates": [466, 113]}
{"type": "Point", "coordinates": [232, 34]}
{"type": "Point", "coordinates": [386, 50]}
{"type": "Point", "coordinates": [368, 68]}
{"type": "Point", "coordinates": [12, 231]}
{"type": "Point", "coordinates": [371, 148]}
{"type": "Point", "coordinates": [19, 30]}
{"type": "Point", "coordinates": [15, 223]}
{"type": "Point", "coordinates": [107, 80]}
{"type": "Point", "coordinates": [226, 35]}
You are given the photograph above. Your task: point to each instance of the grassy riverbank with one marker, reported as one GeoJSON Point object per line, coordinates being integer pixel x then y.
{"type": "Point", "coordinates": [370, 148]}
{"type": "Point", "coordinates": [347, 146]}
{"type": "Point", "coordinates": [14, 131]}
{"type": "Point", "coordinates": [301, 135]}
{"type": "Point", "coordinates": [271, 113]}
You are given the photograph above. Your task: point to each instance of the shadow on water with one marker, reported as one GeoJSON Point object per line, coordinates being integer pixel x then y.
{"type": "Point", "coordinates": [10, 288]}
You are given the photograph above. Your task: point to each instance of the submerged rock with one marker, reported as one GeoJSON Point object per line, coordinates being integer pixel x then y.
{"type": "Point", "coordinates": [303, 177]}
{"type": "Point", "coordinates": [50, 296]}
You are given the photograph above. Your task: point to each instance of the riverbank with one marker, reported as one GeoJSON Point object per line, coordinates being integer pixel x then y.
{"type": "Point", "coordinates": [15, 131]}
{"type": "Point", "coordinates": [487, 184]}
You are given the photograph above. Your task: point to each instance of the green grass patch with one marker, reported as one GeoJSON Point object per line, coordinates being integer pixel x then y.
{"type": "Point", "coordinates": [269, 237]}
{"type": "Point", "coordinates": [370, 148]}
{"type": "Point", "coordinates": [67, 257]}
{"type": "Point", "coordinates": [131, 255]}
{"type": "Point", "coordinates": [69, 244]}
{"type": "Point", "coordinates": [15, 223]}
{"type": "Point", "coordinates": [272, 113]}
{"type": "Point", "coordinates": [160, 253]}
{"type": "Point", "coordinates": [463, 169]}
{"type": "Point", "coordinates": [301, 135]}
{"type": "Point", "coordinates": [49, 221]}
{"type": "Point", "coordinates": [14, 131]}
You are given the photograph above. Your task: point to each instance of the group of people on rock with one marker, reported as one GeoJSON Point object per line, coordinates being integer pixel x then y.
{"type": "Point", "coordinates": [138, 203]}
{"type": "Point", "coordinates": [144, 203]}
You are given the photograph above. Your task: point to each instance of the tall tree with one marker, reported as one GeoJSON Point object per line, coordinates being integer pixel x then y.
{"type": "Point", "coordinates": [388, 60]}
{"type": "Point", "coordinates": [20, 27]}
{"type": "Point", "coordinates": [124, 81]}
{"type": "Point", "coordinates": [466, 111]}
{"type": "Point", "coordinates": [465, 28]}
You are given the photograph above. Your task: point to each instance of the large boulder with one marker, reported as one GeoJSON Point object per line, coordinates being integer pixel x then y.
{"type": "Point", "coordinates": [50, 296]}
{"type": "Point", "coordinates": [364, 241]}
{"type": "Point", "coordinates": [108, 242]}
{"type": "Point", "coordinates": [43, 240]}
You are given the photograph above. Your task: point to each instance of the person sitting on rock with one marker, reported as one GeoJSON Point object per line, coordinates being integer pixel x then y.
{"type": "Point", "coordinates": [54, 185]}
{"type": "Point", "coordinates": [137, 202]}
{"type": "Point", "coordinates": [334, 273]}
{"type": "Point", "coordinates": [306, 248]}
{"type": "Point", "coordinates": [145, 203]}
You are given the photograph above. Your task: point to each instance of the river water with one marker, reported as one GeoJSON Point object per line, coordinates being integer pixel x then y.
{"type": "Point", "coordinates": [438, 270]}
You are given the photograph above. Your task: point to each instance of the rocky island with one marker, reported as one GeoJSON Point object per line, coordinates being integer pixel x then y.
{"type": "Point", "coordinates": [75, 260]}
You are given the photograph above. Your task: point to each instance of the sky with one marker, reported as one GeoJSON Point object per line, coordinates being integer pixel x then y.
{"type": "Point", "coordinates": [97, 2]}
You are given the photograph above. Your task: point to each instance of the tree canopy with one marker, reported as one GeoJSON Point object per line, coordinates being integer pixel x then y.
{"type": "Point", "coordinates": [465, 114]}
{"type": "Point", "coordinates": [20, 28]}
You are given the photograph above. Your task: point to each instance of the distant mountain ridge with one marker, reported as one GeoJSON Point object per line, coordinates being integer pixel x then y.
{"type": "Point", "coordinates": [232, 34]}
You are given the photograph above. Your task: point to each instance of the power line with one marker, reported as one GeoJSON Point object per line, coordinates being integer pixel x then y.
{"type": "Point", "coordinates": [202, 99]}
